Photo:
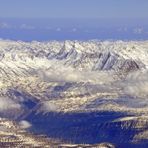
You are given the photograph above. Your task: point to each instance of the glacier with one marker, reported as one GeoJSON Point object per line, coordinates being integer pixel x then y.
{"type": "Point", "coordinates": [78, 91]}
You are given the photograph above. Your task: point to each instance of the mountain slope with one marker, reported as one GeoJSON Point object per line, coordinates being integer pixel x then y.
{"type": "Point", "coordinates": [49, 82]}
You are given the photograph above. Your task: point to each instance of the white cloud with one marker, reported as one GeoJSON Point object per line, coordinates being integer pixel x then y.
{"type": "Point", "coordinates": [8, 104]}
{"type": "Point", "coordinates": [47, 106]}
{"type": "Point", "coordinates": [24, 124]}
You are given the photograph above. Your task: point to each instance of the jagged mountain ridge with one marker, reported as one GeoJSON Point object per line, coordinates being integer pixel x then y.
{"type": "Point", "coordinates": [92, 55]}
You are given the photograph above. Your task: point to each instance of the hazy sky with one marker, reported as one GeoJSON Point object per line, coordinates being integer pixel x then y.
{"type": "Point", "coordinates": [74, 8]}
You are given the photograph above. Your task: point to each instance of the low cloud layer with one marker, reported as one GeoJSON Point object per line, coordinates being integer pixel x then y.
{"type": "Point", "coordinates": [135, 84]}
{"type": "Point", "coordinates": [60, 73]}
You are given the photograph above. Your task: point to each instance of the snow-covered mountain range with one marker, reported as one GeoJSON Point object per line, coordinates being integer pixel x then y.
{"type": "Point", "coordinates": [87, 87]}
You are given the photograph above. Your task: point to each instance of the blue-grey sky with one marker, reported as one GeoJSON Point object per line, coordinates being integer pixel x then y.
{"type": "Point", "coordinates": [74, 8]}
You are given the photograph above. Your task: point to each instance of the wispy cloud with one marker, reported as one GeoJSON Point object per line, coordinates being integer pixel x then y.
{"type": "Point", "coordinates": [47, 106]}
{"type": "Point", "coordinates": [8, 104]}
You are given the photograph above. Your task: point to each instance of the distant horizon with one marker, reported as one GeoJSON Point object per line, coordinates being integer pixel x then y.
{"type": "Point", "coordinates": [44, 29]}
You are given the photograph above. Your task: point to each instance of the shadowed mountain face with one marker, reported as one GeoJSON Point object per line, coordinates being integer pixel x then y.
{"type": "Point", "coordinates": [79, 92]}
{"type": "Point", "coordinates": [91, 127]}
